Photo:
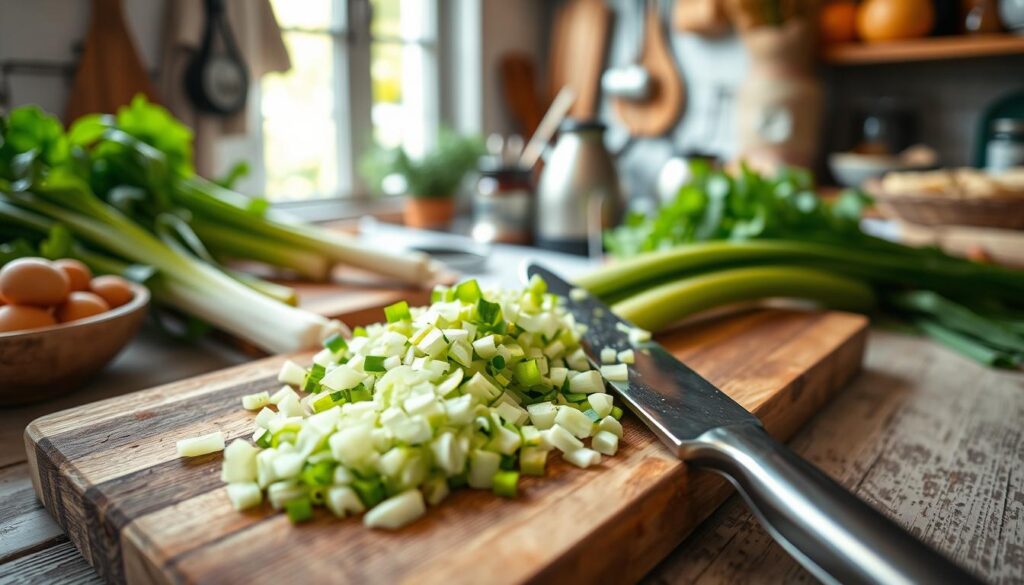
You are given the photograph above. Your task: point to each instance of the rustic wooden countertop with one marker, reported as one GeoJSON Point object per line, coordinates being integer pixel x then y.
{"type": "Point", "coordinates": [932, 440]}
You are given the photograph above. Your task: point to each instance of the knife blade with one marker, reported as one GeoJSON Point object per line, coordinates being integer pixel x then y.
{"type": "Point", "coordinates": [833, 534]}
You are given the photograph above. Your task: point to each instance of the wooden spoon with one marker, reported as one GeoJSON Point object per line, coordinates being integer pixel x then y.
{"type": "Point", "coordinates": [657, 114]}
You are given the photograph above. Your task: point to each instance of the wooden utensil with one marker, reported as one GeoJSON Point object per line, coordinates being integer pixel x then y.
{"type": "Point", "coordinates": [108, 473]}
{"type": "Point", "coordinates": [579, 42]}
{"type": "Point", "coordinates": [519, 85]}
{"type": "Point", "coordinates": [657, 114]}
{"type": "Point", "coordinates": [110, 72]}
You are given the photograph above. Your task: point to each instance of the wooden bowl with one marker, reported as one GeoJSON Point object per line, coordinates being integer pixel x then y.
{"type": "Point", "coordinates": [43, 363]}
{"type": "Point", "coordinates": [934, 210]}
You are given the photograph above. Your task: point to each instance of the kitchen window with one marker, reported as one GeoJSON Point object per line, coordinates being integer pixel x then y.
{"type": "Point", "coordinates": [362, 71]}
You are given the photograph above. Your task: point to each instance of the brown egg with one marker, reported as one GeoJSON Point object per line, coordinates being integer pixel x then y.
{"type": "Point", "coordinates": [33, 281]}
{"type": "Point", "coordinates": [114, 289]}
{"type": "Point", "coordinates": [20, 318]}
{"type": "Point", "coordinates": [81, 305]}
{"type": "Point", "coordinates": [78, 273]}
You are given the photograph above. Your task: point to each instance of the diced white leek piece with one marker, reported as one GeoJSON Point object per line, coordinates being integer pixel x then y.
{"type": "Point", "coordinates": [265, 467]}
{"type": "Point", "coordinates": [577, 360]}
{"type": "Point", "coordinates": [326, 420]}
{"type": "Point", "coordinates": [280, 492]}
{"type": "Point", "coordinates": [638, 335]}
{"type": "Point", "coordinates": [417, 364]}
{"type": "Point", "coordinates": [616, 372]}
{"type": "Point", "coordinates": [352, 446]}
{"type": "Point", "coordinates": [554, 349]}
{"type": "Point", "coordinates": [485, 347]}
{"type": "Point", "coordinates": [512, 413]}
{"type": "Point", "coordinates": [583, 457]}
{"type": "Point", "coordinates": [425, 405]}
{"type": "Point", "coordinates": [574, 421]}
{"type": "Point", "coordinates": [481, 388]}
{"type": "Point", "coordinates": [291, 373]}
{"type": "Point", "coordinates": [342, 475]}
{"type": "Point", "coordinates": [610, 424]}
{"type": "Point", "coordinates": [448, 454]}
{"type": "Point", "coordinates": [391, 463]}
{"type": "Point", "coordinates": [281, 394]}
{"type": "Point", "coordinates": [451, 383]}
{"type": "Point", "coordinates": [542, 414]}
{"type": "Point", "coordinates": [459, 410]}
{"type": "Point", "coordinates": [601, 403]}
{"type": "Point", "coordinates": [561, 439]}
{"type": "Point", "coordinates": [587, 382]}
{"type": "Point", "coordinates": [319, 456]}
{"type": "Point", "coordinates": [531, 436]}
{"type": "Point", "coordinates": [410, 356]}
{"type": "Point", "coordinates": [627, 356]}
{"type": "Point", "coordinates": [258, 433]}
{"type": "Point", "coordinates": [281, 422]}
{"type": "Point", "coordinates": [392, 362]}
{"type": "Point", "coordinates": [605, 443]}
{"type": "Point", "coordinates": [414, 430]}
{"type": "Point", "coordinates": [288, 465]}
{"type": "Point", "coordinates": [482, 467]}
{"type": "Point", "coordinates": [264, 417]}
{"type": "Point", "coordinates": [532, 460]}
{"type": "Point", "coordinates": [578, 294]}
{"type": "Point", "coordinates": [608, 355]}
{"type": "Point", "coordinates": [432, 343]}
{"type": "Point", "coordinates": [324, 357]}
{"type": "Point", "coordinates": [382, 439]}
{"type": "Point", "coordinates": [239, 462]}
{"type": "Point", "coordinates": [342, 500]}
{"type": "Point", "coordinates": [396, 511]}
{"type": "Point", "coordinates": [505, 441]}
{"type": "Point", "coordinates": [342, 377]}
{"type": "Point", "coordinates": [435, 369]}
{"type": "Point", "coordinates": [203, 445]}
{"type": "Point", "coordinates": [244, 495]}
{"type": "Point", "coordinates": [290, 406]}
{"type": "Point", "coordinates": [435, 490]}
{"type": "Point", "coordinates": [391, 417]}
{"type": "Point", "coordinates": [455, 334]}
{"type": "Point", "coordinates": [461, 351]}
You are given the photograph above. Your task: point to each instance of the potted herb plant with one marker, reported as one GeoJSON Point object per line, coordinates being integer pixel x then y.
{"type": "Point", "coordinates": [429, 182]}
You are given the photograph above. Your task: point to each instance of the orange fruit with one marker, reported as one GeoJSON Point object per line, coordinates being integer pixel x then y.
{"type": "Point", "coordinates": [890, 20]}
{"type": "Point", "coordinates": [838, 22]}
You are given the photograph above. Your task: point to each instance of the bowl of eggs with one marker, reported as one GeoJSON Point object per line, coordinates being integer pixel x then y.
{"type": "Point", "coordinates": [59, 325]}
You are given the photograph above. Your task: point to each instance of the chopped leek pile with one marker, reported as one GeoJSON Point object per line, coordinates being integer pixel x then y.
{"type": "Point", "coordinates": [475, 390]}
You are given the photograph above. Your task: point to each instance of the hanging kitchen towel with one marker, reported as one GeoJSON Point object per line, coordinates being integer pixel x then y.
{"type": "Point", "coordinates": [262, 48]}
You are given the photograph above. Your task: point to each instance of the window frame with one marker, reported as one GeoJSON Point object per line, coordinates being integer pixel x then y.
{"type": "Point", "coordinates": [351, 38]}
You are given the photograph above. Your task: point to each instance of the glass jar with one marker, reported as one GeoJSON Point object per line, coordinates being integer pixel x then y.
{"type": "Point", "coordinates": [1006, 146]}
{"type": "Point", "coordinates": [503, 205]}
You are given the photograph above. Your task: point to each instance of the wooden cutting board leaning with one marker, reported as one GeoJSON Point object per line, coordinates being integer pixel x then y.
{"type": "Point", "coordinates": [109, 474]}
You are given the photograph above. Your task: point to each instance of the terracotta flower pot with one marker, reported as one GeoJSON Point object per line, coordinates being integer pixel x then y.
{"type": "Point", "coordinates": [429, 212]}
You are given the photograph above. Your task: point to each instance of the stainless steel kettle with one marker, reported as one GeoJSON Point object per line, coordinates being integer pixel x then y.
{"type": "Point", "coordinates": [578, 194]}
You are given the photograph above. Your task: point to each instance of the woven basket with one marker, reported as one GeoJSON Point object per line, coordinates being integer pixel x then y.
{"type": "Point", "coordinates": [994, 212]}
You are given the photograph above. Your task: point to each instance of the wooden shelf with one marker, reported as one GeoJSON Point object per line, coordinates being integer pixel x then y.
{"type": "Point", "coordinates": [927, 49]}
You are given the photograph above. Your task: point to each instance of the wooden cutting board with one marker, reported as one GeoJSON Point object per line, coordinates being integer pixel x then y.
{"type": "Point", "coordinates": [109, 474]}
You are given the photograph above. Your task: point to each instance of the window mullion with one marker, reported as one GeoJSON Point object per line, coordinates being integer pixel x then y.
{"type": "Point", "coordinates": [357, 128]}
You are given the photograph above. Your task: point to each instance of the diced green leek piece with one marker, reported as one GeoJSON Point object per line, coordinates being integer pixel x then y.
{"type": "Point", "coordinates": [617, 413]}
{"type": "Point", "coordinates": [321, 473]}
{"type": "Point", "coordinates": [397, 312]}
{"type": "Point", "coordinates": [498, 363]}
{"type": "Point", "coordinates": [359, 332]}
{"type": "Point", "coordinates": [299, 510]}
{"type": "Point", "coordinates": [374, 363]}
{"type": "Point", "coordinates": [370, 491]}
{"type": "Point", "coordinates": [468, 291]}
{"type": "Point", "coordinates": [528, 373]}
{"type": "Point", "coordinates": [438, 293]}
{"type": "Point", "coordinates": [335, 343]}
{"type": "Point", "coordinates": [505, 484]}
{"type": "Point", "coordinates": [575, 396]}
{"type": "Point", "coordinates": [489, 313]}
{"type": "Point", "coordinates": [360, 394]}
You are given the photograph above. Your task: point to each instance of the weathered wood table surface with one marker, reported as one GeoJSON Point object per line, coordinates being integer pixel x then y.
{"type": "Point", "coordinates": [932, 440]}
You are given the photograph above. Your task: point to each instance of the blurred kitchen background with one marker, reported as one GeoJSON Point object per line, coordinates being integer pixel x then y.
{"type": "Point", "coordinates": [333, 89]}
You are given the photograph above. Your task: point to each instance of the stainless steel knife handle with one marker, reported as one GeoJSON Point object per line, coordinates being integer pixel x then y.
{"type": "Point", "coordinates": [832, 533]}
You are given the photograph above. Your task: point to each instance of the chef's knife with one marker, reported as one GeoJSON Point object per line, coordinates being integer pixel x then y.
{"type": "Point", "coordinates": [836, 536]}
